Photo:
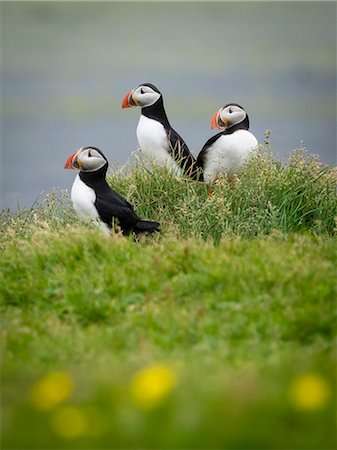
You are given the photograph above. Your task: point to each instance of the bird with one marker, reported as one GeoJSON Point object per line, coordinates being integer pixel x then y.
{"type": "Point", "coordinates": [94, 200]}
{"type": "Point", "coordinates": [227, 151]}
{"type": "Point", "coordinates": [158, 141]}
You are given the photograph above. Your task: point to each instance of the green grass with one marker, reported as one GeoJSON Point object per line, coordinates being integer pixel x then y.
{"type": "Point", "coordinates": [235, 298]}
{"type": "Point", "coordinates": [296, 196]}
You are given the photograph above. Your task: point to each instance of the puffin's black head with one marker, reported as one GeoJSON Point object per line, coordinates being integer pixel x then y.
{"type": "Point", "coordinates": [145, 94]}
{"type": "Point", "coordinates": [230, 115]}
{"type": "Point", "coordinates": [87, 159]}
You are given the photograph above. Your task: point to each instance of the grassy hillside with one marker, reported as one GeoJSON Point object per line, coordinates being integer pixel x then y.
{"type": "Point", "coordinates": [200, 337]}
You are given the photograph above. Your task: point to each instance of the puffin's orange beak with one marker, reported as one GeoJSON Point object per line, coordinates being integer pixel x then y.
{"type": "Point", "coordinates": [217, 122]}
{"type": "Point", "coordinates": [128, 101]}
{"type": "Point", "coordinates": [69, 162]}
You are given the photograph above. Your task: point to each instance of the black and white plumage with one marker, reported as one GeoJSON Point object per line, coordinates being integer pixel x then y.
{"type": "Point", "coordinates": [94, 200]}
{"type": "Point", "coordinates": [158, 141]}
{"type": "Point", "coordinates": [227, 152]}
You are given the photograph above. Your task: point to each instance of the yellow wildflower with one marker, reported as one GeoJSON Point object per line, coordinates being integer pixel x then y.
{"type": "Point", "coordinates": [309, 392]}
{"type": "Point", "coordinates": [69, 422]}
{"type": "Point", "coordinates": [151, 386]}
{"type": "Point", "coordinates": [51, 390]}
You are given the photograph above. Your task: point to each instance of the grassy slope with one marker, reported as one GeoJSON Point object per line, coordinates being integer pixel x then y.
{"type": "Point", "coordinates": [236, 322]}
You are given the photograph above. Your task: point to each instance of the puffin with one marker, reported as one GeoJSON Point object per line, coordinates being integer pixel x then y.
{"type": "Point", "coordinates": [94, 200]}
{"type": "Point", "coordinates": [158, 141]}
{"type": "Point", "coordinates": [227, 151]}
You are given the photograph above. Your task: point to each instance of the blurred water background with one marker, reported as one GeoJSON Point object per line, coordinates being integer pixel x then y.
{"type": "Point", "coordinates": [66, 67]}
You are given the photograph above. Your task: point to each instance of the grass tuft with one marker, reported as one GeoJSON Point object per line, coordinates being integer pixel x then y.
{"type": "Point", "coordinates": [296, 196]}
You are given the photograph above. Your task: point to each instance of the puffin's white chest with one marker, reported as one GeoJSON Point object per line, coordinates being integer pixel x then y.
{"type": "Point", "coordinates": [152, 139]}
{"type": "Point", "coordinates": [228, 154]}
{"type": "Point", "coordinates": [83, 198]}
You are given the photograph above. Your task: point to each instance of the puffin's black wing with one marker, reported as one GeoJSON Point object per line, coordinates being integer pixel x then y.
{"type": "Point", "coordinates": [200, 162]}
{"type": "Point", "coordinates": [114, 206]}
{"type": "Point", "coordinates": [118, 198]}
{"type": "Point", "coordinates": [108, 209]}
{"type": "Point", "coordinates": [181, 153]}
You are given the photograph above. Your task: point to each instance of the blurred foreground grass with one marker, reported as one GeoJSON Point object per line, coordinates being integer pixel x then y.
{"type": "Point", "coordinates": [174, 342]}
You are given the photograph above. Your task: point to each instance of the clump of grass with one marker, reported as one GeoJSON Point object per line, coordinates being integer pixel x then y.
{"type": "Point", "coordinates": [298, 195]}
{"type": "Point", "coordinates": [54, 213]}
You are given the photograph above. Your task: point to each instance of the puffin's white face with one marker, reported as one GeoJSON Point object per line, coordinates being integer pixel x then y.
{"type": "Point", "coordinates": [86, 159]}
{"type": "Point", "coordinates": [228, 116]}
{"type": "Point", "coordinates": [143, 95]}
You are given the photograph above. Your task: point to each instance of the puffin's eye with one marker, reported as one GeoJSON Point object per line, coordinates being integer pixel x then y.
{"type": "Point", "coordinates": [142, 91]}
{"type": "Point", "coordinates": [230, 110]}
{"type": "Point", "coordinates": [89, 153]}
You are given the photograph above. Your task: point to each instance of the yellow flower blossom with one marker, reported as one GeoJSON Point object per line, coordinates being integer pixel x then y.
{"type": "Point", "coordinates": [69, 422]}
{"type": "Point", "coordinates": [309, 392]}
{"type": "Point", "coordinates": [151, 385]}
{"type": "Point", "coordinates": [51, 390]}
